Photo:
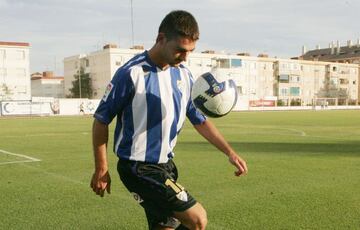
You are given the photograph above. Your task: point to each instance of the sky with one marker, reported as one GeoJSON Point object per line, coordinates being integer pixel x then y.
{"type": "Point", "coordinates": [61, 28]}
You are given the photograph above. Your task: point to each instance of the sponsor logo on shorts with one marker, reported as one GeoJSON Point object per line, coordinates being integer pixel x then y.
{"type": "Point", "coordinates": [137, 197]}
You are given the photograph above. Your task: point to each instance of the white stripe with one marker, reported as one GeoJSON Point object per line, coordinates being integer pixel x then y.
{"type": "Point", "coordinates": [167, 112]}
{"type": "Point", "coordinates": [139, 110]}
{"type": "Point", "coordinates": [185, 79]}
{"type": "Point", "coordinates": [29, 159]}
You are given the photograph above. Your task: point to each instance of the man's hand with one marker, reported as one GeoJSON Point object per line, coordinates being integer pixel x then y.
{"type": "Point", "coordinates": [100, 182]}
{"type": "Point", "coordinates": [239, 163]}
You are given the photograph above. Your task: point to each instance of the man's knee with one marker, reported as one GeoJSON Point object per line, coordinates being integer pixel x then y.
{"type": "Point", "coordinates": [193, 218]}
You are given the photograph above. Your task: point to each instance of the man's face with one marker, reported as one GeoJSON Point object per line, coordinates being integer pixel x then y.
{"type": "Point", "coordinates": [176, 50]}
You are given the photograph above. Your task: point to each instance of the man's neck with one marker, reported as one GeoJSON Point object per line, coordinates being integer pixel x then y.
{"type": "Point", "coordinates": [156, 57]}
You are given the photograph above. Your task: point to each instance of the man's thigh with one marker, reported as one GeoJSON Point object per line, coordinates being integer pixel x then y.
{"type": "Point", "coordinates": [155, 188]}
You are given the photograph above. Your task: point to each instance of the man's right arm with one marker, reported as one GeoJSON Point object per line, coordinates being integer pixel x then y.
{"type": "Point", "coordinates": [100, 180]}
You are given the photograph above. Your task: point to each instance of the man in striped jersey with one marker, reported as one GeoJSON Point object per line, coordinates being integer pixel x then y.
{"type": "Point", "coordinates": [150, 98]}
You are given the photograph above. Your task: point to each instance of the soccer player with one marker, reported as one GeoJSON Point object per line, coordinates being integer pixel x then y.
{"type": "Point", "coordinates": [150, 98]}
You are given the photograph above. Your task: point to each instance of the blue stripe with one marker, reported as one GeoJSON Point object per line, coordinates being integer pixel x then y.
{"type": "Point", "coordinates": [124, 150]}
{"type": "Point", "coordinates": [175, 77]}
{"type": "Point", "coordinates": [154, 118]}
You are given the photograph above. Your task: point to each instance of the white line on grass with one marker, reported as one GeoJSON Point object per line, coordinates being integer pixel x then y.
{"type": "Point", "coordinates": [28, 158]}
{"type": "Point", "coordinates": [302, 133]}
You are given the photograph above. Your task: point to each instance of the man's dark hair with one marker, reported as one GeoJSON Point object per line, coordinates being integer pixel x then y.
{"type": "Point", "coordinates": [179, 23]}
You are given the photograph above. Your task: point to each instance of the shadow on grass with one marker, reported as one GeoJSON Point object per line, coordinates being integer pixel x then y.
{"type": "Point", "coordinates": [340, 149]}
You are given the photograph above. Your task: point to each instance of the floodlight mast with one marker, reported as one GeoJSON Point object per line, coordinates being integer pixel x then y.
{"type": "Point", "coordinates": [132, 23]}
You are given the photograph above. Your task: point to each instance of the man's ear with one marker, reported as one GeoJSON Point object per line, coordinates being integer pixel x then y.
{"type": "Point", "coordinates": [161, 38]}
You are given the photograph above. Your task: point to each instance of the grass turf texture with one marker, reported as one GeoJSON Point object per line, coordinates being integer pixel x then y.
{"type": "Point", "coordinates": [304, 170]}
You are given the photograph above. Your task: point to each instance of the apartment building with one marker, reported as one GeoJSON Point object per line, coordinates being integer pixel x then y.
{"type": "Point", "coordinates": [261, 80]}
{"type": "Point", "coordinates": [349, 53]}
{"type": "Point", "coordinates": [14, 71]}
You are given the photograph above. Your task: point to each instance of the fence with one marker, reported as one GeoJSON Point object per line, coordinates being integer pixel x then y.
{"type": "Point", "coordinates": [48, 107]}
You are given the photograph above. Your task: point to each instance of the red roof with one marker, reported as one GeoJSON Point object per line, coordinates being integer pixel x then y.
{"type": "Point", "coordinates": [47, 78]}
{"type": "Point", "coordinates": [14, 43]}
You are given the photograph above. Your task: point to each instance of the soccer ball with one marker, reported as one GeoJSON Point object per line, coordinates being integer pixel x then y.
{"type": "Point", "coordinates": [213, 95]}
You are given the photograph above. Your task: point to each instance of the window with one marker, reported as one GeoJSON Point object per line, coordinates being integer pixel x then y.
{"type": "Point", "coordinates": [294, 91]}
{"type": "Point", "coordinates": [236, 63]}
{"type": "Point", "coordinates": [294, 66]}
{"type": "Point", "coordinates": [239, 90]}
{"type": "Point", "coordinates": [20, 55]}
{"type": "Point", "coordinates": [285, 66]}
{"type": "Point", "coordinates": [334, 68]}
{"type": "Point", "coordinates": [209, 63]}
{"type": "Point", "coordinates": [343, 81]}
{"type": "Point", "coordinates": [223, 63]}
{"type": "Point", "coordinates": [295, 79]}
{"type": "Point", "coordinates": [283, 78]}
{"type": "Point", "coordinates": [283, 92]}
{"type": "Point", "coordinates": [118, 63]}
{"type": "Point", "coordinates": [87, 62]}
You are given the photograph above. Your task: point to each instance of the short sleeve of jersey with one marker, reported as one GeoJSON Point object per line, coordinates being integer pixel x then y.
{"type": "Point", "coordinates": [118, 94]}
{"type": "Point", "coordinates": [194, 115]}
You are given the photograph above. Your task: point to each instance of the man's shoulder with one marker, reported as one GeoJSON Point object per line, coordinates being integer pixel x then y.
{"type": "Point", "coordinates": [134, 66]}
{"type": "Point", "coordinates": [135, 61]}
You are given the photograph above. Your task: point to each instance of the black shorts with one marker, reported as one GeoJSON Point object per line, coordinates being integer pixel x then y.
{"type": "Point", "coordinates": [154, 187]}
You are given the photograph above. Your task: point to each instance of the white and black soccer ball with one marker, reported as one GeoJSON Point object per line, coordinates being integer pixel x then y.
{"type": "Point", "coordinates": [213, 95]}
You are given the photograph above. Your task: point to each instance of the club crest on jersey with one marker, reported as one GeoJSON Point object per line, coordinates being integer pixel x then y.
{"type": "Point", "coordinates": [109, 87]}
{"type": "Point", "coordinates": [180, 85]}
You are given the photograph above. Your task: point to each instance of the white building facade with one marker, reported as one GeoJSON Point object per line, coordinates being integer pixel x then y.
{"type": "Point", "coordinates": [261, 81]}
{"type": "Point", "coordinates": [46, 85]}
{"type": "Point", "coordinates": [14, 71]}
{"type": "Point", "coordinates": [101, 65]}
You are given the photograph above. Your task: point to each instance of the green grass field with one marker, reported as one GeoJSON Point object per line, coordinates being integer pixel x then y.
{"type": "Point", "coordinates": [304, 173]}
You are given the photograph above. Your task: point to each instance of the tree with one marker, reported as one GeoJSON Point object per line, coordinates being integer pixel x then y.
{"type": "Point", "coordinates": [5, 92]}
{"type": "Point", "coordinates": [333, 92]}
{"type": "Point", "coordinates": [85, 83]}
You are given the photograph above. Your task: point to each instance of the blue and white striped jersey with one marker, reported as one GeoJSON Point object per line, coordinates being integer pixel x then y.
{"type": "Point", "coordinates": [151, 106]}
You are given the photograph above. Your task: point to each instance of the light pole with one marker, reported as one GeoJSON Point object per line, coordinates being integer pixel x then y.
{"type": "Point", "coordinates": [132, 23]}
{"type": "Point", "coordinates": [80, 82]}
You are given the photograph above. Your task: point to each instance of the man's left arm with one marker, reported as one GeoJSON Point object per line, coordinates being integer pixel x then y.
{"type": "Point", "coordinates": [208, 130]}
